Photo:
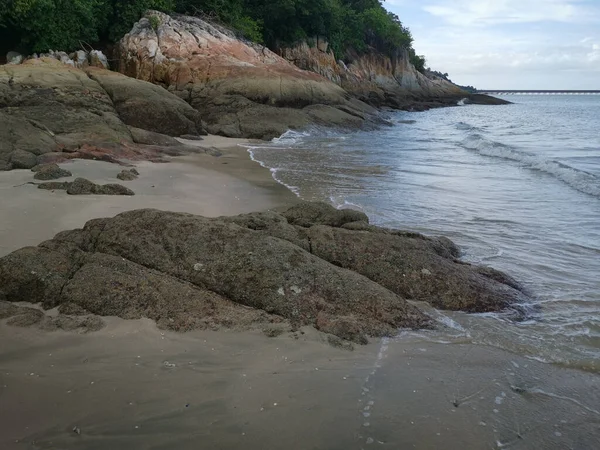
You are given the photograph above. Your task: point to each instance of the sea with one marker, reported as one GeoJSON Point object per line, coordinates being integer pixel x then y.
{"type": "Point", "coordinates": [517, 187]}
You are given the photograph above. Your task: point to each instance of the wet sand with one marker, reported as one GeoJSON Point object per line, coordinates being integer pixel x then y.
{"type": "Point", "coordinates": [133, 386]}
{"type": "Point", "coordinates": [198, 184]}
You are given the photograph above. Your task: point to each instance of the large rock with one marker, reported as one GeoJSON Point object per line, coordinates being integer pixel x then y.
{"type": "Point", "coordinates": [178, 269]}
{"type": "Point", "coordinates": [20, 159]}
{"type": "Point", "coordinates": [49, 108]}
{"type": "Point", "coordinates": [244, 266]}
{"type": "Point", "coordinates": [144, 105]}
{"type": "Point", "coordinates": [241, 89]}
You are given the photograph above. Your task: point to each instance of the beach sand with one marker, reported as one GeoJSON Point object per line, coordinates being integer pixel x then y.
{"type": "Point", "coordinates": [133, 386]}
{"type": "Point", "coordinates": [197, 183]}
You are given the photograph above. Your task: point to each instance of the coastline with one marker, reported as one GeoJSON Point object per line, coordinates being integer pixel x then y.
{"type": "Point", "coordinates": [232, 389]}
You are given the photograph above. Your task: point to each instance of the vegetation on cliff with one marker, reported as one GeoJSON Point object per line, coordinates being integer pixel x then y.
{"type": "Point", "coordinates": [40, 25]}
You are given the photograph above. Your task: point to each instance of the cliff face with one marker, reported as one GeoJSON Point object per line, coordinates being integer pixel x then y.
{"type": "Point", "coordinates": [375, 78]}
{"type": "Point", "coordinates": [241, 89]}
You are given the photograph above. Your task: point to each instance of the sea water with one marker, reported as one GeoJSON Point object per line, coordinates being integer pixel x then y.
{"type": "Point", "coordinates": [517, 187]}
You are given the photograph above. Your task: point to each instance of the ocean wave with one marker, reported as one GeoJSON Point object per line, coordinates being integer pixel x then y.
{"type": "Point", "coordinates": [578, 179]}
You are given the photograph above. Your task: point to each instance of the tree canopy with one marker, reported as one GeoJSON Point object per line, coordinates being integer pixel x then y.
{"type": "Point", "coordinates": [40, 25]}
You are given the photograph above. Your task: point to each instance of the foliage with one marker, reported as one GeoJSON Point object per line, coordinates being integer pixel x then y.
{"type": "Point", "coordinates": [357, 25]}
{"type": "Point", "coordinates": [41, 25]}
{"type": "Point", "coordinates": [418, 61]}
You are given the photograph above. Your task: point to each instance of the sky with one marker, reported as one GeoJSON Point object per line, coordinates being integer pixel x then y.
{"type": "Point", "coordinates": [508, 44]}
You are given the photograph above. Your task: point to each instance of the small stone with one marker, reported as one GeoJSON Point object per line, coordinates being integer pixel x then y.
{"type": "Point", "coordinates": [76, 430]}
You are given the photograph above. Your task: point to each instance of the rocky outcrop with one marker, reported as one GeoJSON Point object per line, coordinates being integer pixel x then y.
{"type": "Point", "coordinates": [240, 89]}
{"type": "Point", "coordinates": [50, 111]}
{"type": "Point", "coordinates": [47, 172]}
{"type": "Point", "coordinates": [311, 265]}
{"type": "Point", "coordinates": [82, 186]}
{"type": "Point", "coordinates": [380, 80]}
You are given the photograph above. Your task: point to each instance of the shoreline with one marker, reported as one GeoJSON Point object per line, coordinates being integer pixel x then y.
{"type": "Point", "coordinates": [133, 385]}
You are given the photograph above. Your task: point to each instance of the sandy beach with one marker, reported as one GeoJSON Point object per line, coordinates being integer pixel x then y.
{"type": "Point", "coordinates": [131, 385]}
{"type": "Point", "coordinates": [197, 183]}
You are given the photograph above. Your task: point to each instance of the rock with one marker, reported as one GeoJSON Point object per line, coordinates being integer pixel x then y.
{"type": "Point", "coordinates": [5, 165]}
{"type": "Point", "coordinates": [151, 138]}
{"type": "Point", "coordinates": [410, 264]}
{"type": "Point", "coordinates": [81, 186]}
{"type": "Point", "coordinates": [191, 137]}
{"type": "Point", "coordinates": [128, 175]}
{"type": "Point", "coordinates": [112, 189]}
{"type": "Point", "coordinates": [80, 58]}
{"type": "Point", "coordinates": [241, 89]}
{"type": "Point", "coordinates": [98, 59]}
{"type": "Point", "coordinates": [149, 107]}
{"type": "Point", "coordinates": [158, 264]}
{"type": "Point", "coordinates": [307, 214]}
{"type": "Point", "coordinates": [49, 108]}
{"type": "Point", "coordinates": [55, 185]}
{"type": "Point", "coordinates": [187, 272]}
{"type": "Point", "coordinates": [50, 172]}
{"type": "Point", "coordinates": [20, 159]}
{"type": "Point", "coordinates": [14, 58]}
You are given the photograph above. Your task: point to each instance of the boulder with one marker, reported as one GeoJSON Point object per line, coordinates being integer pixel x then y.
{"type": "Point", "coordinates": [98, 59]}
{"type": "Point", "coordinates": [117, 267]}
{"type": "Point", "coordinates": [21, 159]}
{"type": "Point", "coordinates": [14, 58]}
{"type": "Point", "coordinates": [128, 175]}
{"type": "Point", "coordinates": [151, 138]}
{"type": "Point", "coordinates": [144, 105]}
{"type": "Point", "coordinates": [49, 108]}
{"type": "Point", "coordinates": [241, 89]}
{"type": "Point", "coordinates": [350, 280]}
{"type": "Point", "coordinates": [81, 186]}
{"type": "Point", "coordinates": [50, 172]}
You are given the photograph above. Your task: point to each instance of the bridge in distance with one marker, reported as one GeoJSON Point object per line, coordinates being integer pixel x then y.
{"type": "Point", "coordinates": [530, 92]}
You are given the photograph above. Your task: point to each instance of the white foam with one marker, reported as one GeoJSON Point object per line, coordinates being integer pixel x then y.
{"type": "Point", "coordinates": [578, 179]}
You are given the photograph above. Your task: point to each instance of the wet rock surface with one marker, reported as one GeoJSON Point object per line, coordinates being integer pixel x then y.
{"type": "Point", "coordinates": [188, 272]}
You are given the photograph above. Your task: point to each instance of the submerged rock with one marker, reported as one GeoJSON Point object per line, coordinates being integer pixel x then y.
{"type": "Point", "coordinates": [187, 272]}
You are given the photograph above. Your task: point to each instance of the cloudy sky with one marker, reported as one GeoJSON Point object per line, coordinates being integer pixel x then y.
{"type": "Point", "coordinates": [508, 44]}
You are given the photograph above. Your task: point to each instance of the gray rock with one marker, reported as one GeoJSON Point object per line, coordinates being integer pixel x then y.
{"type": "Point", "coordinates": [20, 159]}
{"type": "Point", "coordinates": [112, 189]}
{"type": "Point", "coordinates": [81, 59]}
{"type": "Point", "coordinates": [151, 138]}
{"type": "Point", "coordinates": [307, 214]}
{"type": "Point", "coordinates": [50, 172]}
{"type": "Point", "coordinates": [98, 59]}
{"type": "Point", "coordinates": [5, 165]}
{"type": "Point", "coordinates": [81, 186]}
{"type": "Point", "coordinates": [117, 266]}
{"type": "Point", "coordinates": [128, 175]}
{"type": "Point", "coordinates": [55, 185]}
{"type": "Point", "coordinates": [14, 58]}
